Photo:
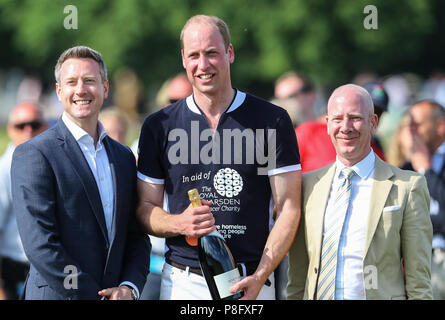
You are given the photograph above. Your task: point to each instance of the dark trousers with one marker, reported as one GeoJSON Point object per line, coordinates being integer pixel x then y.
{"type": "Point", "coordinates": [281, 279]}
{"type": "Point", "coordinates": [13, 274]}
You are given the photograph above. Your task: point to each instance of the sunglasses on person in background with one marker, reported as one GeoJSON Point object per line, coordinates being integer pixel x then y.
{"type": "Point", "coordinates": [35, 125]}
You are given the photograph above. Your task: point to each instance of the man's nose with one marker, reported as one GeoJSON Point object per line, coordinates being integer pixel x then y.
{"type": "Point", "coordinates": [346, 125]}
{"type": "Point", "coordinates": [203, 62]}
{"type": "Point", "coordinates": [28, 130]}
{"type": "Point", "coordinates": [80, 88]}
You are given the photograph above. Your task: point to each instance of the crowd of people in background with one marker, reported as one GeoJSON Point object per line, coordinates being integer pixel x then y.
{"type": "Point", "coordinates": [410, 135]}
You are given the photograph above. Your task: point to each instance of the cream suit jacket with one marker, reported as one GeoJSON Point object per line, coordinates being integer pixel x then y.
{"type": "Point", "coordinates": [398, 227]}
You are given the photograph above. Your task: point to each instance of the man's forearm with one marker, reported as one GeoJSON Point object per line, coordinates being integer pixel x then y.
{"type": "Point", "coordinates": [156, 221]}
{"type": "Point", "coordinates": [278, 242]}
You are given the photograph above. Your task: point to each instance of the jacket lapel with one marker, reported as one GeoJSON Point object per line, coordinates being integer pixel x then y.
{"type": "Point", "coordinates": [319, 201]}
{"type": "Point", "coordinates": [72, 151]}
{"type": "Point", "coordinates": [380, 190]}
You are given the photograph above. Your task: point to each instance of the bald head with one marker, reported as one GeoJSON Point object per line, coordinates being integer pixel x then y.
{"type": "Point", "coordinates": [24, 112]}
{"type": "Point", "coordinates": [25, 121]}
{"type": "Point", "coordinates": [351, 123]}
{"type": "Point", "coordinates": [353, 94]}
{"type": "Point", "coordinates": [434, 109]}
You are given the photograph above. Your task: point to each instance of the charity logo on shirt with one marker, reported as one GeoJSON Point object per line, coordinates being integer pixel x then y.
{"type": "Point", "coordinates": [228, 182]}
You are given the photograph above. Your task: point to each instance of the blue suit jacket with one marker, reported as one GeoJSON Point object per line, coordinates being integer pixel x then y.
{"type": "Point", "coordinates": [62, 224]}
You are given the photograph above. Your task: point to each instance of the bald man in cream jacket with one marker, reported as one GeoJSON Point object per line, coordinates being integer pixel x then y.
{"type": "Point", "coordinates": [384, 248]}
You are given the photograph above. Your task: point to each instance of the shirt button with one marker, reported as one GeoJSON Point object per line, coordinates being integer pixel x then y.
{"type": "Point", "coordinates": [315, 270]}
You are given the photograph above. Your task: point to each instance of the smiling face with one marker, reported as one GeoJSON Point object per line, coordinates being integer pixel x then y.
{"type": "Point", "coordinates": [81, 89]}
{"type": "Point", "coordinates": [351, 123]}
{"type": "Point", "coordinates": [205, 59]}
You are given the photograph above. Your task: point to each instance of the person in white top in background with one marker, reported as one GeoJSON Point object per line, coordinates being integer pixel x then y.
{"type": "Point", "coordinates": [25, 122]}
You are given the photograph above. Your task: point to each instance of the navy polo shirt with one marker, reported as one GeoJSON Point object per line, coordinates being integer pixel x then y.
{"type": "Point", "coordinates": [229, 166]}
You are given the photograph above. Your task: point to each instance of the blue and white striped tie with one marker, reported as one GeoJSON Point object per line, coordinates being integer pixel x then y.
{"type": "Point", "coordinates": [329, 247]}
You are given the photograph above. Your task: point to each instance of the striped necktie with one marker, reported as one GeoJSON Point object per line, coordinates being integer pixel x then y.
{"type": "Point", "coordinates": [329, 248]}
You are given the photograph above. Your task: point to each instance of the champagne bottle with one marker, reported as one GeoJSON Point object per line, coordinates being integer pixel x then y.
{"type": "Point", "coordinates": [216, 261]}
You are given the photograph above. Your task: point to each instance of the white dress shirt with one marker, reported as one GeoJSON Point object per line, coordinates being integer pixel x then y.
{"type": "Point", "coordinates": [349, 280]}
{"type": "Point", "coordinates": [99, 164]}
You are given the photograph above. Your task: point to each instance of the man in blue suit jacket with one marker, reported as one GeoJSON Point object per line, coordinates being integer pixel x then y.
{"type": "Point", "coordinates": [74, 194]}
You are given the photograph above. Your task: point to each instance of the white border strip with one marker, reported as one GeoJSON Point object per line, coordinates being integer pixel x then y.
{"type": "Point", "coordinates": [149, 179]}
{"type": "Point", "coordinates": [191, 104]}
{"type": "Point", "coordinates": [294, 167]}
{"type": "Point", "coordinates": [238, 101]}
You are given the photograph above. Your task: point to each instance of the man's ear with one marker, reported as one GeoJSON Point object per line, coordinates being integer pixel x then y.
{"type": "Point", "coordinates": [374, 122]}
{"type": "Point", "coordinates": [327, 126]}
{"type": "Point", "coordinates": [182, 55]}
{"type": "Point", "coordinates": [231, 53]}
{"type": "Point", "coordinates": [58, 90]}
{"type": "Point", "coordinates": [106, 87]}
{"type": "Point", "coordinates": [441, 127]}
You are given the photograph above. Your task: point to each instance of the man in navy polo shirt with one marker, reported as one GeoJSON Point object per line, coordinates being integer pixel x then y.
{"type": "Point", "coordinates": [239, 151]}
